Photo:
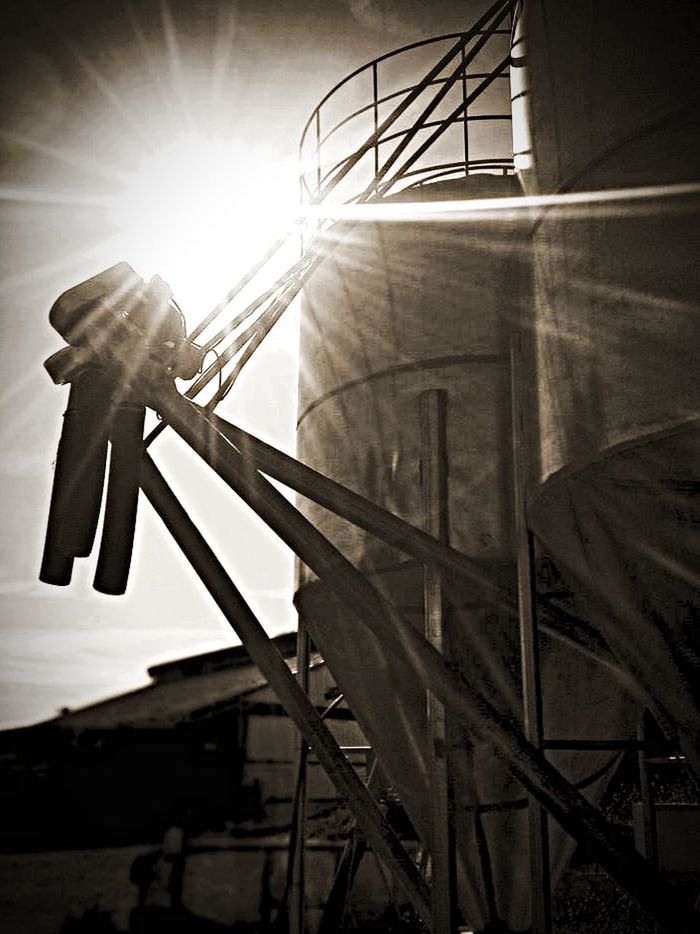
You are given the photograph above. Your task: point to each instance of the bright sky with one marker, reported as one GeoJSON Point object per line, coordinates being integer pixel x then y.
{"type": "Point", "coordinates": [164, 134]}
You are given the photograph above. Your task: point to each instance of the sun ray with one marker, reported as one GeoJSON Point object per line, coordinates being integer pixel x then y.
{"type": "Point", "coordinates": [148, 57]}
{"type": "Point", "coordinates": [489, 208]}
{"type": "Point", "coordinates": [71, 266]}
{"type": "Point", "coordinates": [223, 55]}
{"type": "Point", "coordinates": [67, 156]}
{"type": "Point", "coordinates": [108, 92]}
{"type": "Point", "coordinates": [642, 301]}
{"type": "Point", "coordinates": [15, 398]}
{"type": "Point", "coordinates": [175, 61]}
{"type": "Point", "coordinates": [65, 198]}
{"type": "Point", "coordinates": [185, 215]}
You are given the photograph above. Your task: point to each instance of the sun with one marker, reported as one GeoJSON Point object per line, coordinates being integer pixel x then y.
{"type": "Point", "coordinates": [198, 211]}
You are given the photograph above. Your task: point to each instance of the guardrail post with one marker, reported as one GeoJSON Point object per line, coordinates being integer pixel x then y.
{"type": "Point", "coordinates": [465, 130]}
{"type": "Point", "coordinates": [297, 849]}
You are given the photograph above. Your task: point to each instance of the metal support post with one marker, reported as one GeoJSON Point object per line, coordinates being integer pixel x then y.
{"type": "Point", "coordinates": [359, 510]}
{"type": "Point", "coordinates": [646, 789]}
{"type": "Point", "coordinates": [529, 653]}
{"type": "Point", "coordinates": [434, 466]}
{"type": "Point", "coordinates": [465, 115]}
{"type": "Point", "coordinates": [297, 851]}
{"type": "Point", "coordinates": [651, 847]}
{"type": "Point", "coordinates": [346, 869]}
{"type": "Point", "coordinates": [298, 706]}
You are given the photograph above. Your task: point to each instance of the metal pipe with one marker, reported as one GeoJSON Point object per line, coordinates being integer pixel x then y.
{"type": "Point", "coordinates": [79, 475]}
{"type": "Point", "coordinates": [240, 285]}
{"type": "Point", "coordinates": [465, 127]}
{"type": "Point", "coordinates": [359, 510]}
{"type": "Point", "coordinates": [126, 439]}
{"type": "Point", "coordinates": [533, 728]}
{"type": "Point", "coordinates": [434, 467]}
{"type": "Point", "coordinates": [375, 114]}
{"type": "Point", "coordinates": [318, 150]}
{"type": "Point", "coordinates": [298, 836]}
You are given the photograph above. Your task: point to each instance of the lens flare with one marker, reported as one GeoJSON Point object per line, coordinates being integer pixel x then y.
{"type": "Point", "coordinates": [197, 212]}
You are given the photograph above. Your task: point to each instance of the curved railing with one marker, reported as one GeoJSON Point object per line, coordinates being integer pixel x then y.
{"type": "Point", "coordinates": [454, 121]}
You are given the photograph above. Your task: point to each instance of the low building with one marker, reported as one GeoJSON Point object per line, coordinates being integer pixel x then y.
{"type": "Point", "coordinates": [175, 797]}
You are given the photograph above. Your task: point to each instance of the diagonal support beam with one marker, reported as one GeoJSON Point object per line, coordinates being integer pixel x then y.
{"type": "Point", "coordinates": [357, 509]}
{"type": "Point", "coordinates": [300, 709]}
{"type": "Point", "coordinates": [538, 776]}
{"type": "Point", "coordinates": [412, 540]}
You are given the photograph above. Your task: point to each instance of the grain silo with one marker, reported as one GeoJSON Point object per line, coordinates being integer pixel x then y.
{"type": "Point", "coordinates": [406, 333]}
{"type": "Point", "coordinates": [617, 313]}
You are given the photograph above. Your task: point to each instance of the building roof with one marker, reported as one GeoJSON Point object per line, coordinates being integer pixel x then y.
{"type": "Point", "coordinates": [180, 690]}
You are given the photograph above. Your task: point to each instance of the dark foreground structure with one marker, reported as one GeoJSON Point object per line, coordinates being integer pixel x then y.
{"type": "Point", "coordinates": [172, 805]}
{"type": "Point", "coordinates": [498, 526]}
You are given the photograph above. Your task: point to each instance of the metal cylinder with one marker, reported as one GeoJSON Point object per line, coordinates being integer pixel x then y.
{"type": "Point", "coordinates": [395, 309]}
{"type": "Point", "coordinates": [78, 476]}
{"type": "Point", "coordinates": [610, 96]}
{"type": "Point", "coordinates": [114, 560]}
{"type": "Point", "coordinates": [618, 327]}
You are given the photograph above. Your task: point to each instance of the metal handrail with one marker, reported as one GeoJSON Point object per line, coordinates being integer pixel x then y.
{"type": "Point", "coordinates": [487, 27]}
{"type": "Point", "coordinates": [451, 169]}
{"type": "Point", "coordinates": [400, 134]}
{"type": "Point", "coordinates": [371, 143]}
{"type": "Point", "coordinates": [459, 73]}
{"type": "Point", "coordinates": [396, 94]}
{"type": "Point", "coordinates": [435, 135]}
{"type": "Point", "coordinates": [377, 61]}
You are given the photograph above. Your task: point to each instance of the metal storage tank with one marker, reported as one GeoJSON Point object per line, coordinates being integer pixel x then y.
{"type": "Point", "coordinates": [603, 100]}
{"type": "Point", "coordinates": [397, 308]}
{"type": "Point", "coordinates": [393, 310]}
{"type": "Point", "coordinates": [610, 95]}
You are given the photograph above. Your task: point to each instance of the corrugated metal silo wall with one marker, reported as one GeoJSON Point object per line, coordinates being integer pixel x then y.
{"type": "Point", "coordinates": [614, 105]}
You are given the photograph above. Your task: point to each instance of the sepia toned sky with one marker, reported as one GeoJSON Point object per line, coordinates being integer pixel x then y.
{"type": "Point", "coordinates": [94, 98]}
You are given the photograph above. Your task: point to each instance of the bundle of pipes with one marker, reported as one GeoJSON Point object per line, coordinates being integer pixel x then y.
{"type": "Point", "coordinates": [116, 325]}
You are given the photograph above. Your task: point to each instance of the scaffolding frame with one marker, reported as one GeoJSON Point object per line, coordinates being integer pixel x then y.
{"type": "Point", "coordinates": [464, 702]}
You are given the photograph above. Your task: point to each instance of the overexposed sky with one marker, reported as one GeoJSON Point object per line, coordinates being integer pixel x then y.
{"type": "Point", "coordinates": [96, 99]}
